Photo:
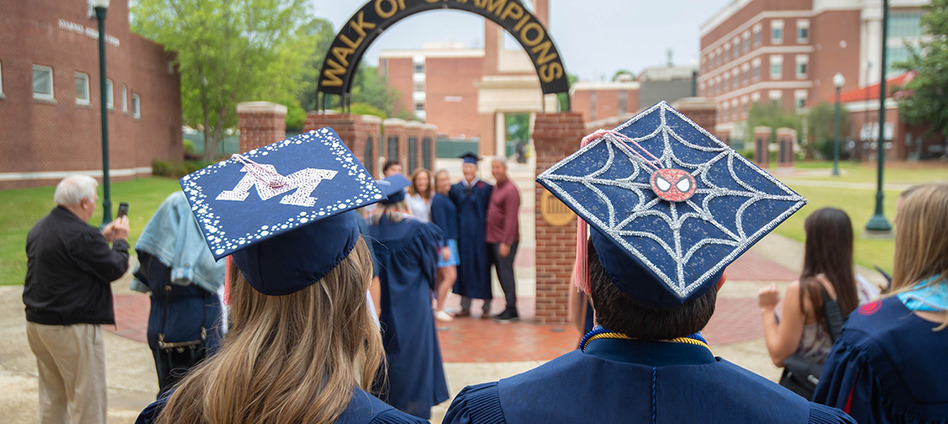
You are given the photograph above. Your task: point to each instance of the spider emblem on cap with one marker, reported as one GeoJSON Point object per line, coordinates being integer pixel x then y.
{"type": "Point", "coordinates": [673, 185]}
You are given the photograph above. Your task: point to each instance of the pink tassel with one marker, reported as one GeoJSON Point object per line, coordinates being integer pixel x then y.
{"type": "Point", "coordinates": [581, 266]}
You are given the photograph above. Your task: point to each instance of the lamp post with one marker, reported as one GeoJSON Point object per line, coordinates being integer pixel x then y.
{"type": "Point", "coordinates": [101, 7]}
{"type": "Point", "coordinates": [878, 222]}
{"type": "Point", "coordinates": [838, 82]}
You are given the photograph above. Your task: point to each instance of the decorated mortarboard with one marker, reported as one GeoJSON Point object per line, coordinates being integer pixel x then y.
{"type": "Point", "coordinates": [669, 204]}
{"type": "Point", "coordinates": [470, 158]}
{"type": "Point", "coordinates": [279, 209]}
{"type": "Point", "coordinates": [393, 188]}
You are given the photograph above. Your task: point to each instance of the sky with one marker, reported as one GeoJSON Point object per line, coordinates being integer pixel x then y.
{"type": "Point", "coordinates": [595, 37]}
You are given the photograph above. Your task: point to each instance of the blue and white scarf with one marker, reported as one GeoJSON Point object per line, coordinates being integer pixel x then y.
{"type": "Point", "coordinates": [926, 296]}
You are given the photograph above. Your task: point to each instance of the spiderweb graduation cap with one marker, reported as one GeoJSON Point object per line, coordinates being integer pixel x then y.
{"type": "Point", "coordinates": [669, 204]}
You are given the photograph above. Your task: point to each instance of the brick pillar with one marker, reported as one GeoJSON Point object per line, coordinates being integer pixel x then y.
{"type": "Point", "coordinates": [260, 124]}
{"type": "Point", "coordinates": [429, 145]}
{"type": "Point", "coordinates": [354, 130]}
{"type": "Point", "coordinates": [413, 132]}
{"type": "Point", "coordinates": [556, 135]}
{"type": "Point", "coordinates": [786, 147]}
{"type": "Point", "coordinates": [762, 146]}
{"type": "Point", "coordinates": [396, 147]}
{"type": "Point", "coordinates": [373, 128]}
{"type": "Point", "coordinates": [699, 109]}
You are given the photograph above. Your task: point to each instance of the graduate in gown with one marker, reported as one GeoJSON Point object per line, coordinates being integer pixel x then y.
{"type": "Point", "coordinates": [472, 196]}
{"type": "Point", "coordinates": [302, 346]}
{"type": "Point", "coordinates": [445, 215]}
{"type": "Point", "coordinates": [407, 251]}
{"type": "Point", "coordinates": [890, 364]}
{"type": "Point", "coordinates": [646, 361]}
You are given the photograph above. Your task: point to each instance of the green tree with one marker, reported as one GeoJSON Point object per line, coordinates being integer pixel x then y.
{"type": "Point", "coordinates": [230, 51]}
{"type": "Point", "coordinates": [369, 88]}
{"type": "Point", "coordinates": [821, 128]}
{"type": "Point", "coordinates": [927, 102]}
{"type": "Point", "coordinates": [770, 114]}
{"type": "Point", "coordinates": [323, 32]}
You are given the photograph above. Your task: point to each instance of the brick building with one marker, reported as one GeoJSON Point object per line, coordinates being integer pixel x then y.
{"type": "Point", "coordinates": [50, 102]}
{"type": "Point", "coordinates": [788, 51]}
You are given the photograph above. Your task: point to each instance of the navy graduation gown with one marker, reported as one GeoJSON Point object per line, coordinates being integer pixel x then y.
{"type": "Point", "coordinates": [445, 215]}
{"type": "Point", "coordinates": [636, 382]}
{"type": "Point", "coordinates": [407, 253]}
{"type": "Point", "coordinates": [474, 271]}
{"type": "Point", "coordinates": [363, 409]}
{"type": "Point", "coordinates": [888, 366]}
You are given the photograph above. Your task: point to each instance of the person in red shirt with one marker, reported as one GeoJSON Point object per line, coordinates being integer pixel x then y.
{"type": "Point", "coordinates": [503, 235]}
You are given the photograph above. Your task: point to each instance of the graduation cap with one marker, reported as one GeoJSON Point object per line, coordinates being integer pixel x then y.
{"type": "Point", "coordinates": [670, 205]}
{"type": "Point", "coordinates": [393, 188]}
{"type": "Point", "coordinates": [470, 157]}
{"type": "Point", "coordinates": [280, 209]}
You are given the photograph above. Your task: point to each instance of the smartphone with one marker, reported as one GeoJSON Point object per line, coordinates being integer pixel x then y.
{"type": "Point", "coordinates": [122, 210]}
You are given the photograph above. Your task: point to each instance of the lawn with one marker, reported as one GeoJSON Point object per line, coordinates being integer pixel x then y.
{"type": "Point", "coordinates": [855, 194]}
{"type": "Point", "coordinates": [20, 209]}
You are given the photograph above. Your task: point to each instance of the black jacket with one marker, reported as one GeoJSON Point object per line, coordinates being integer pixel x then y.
{"type": "Point", "coordinates": [69, 269]}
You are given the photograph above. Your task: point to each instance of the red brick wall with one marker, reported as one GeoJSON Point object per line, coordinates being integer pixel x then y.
{"type": "Point", "coordinates": [399, 72]}
{"type": "Point", "coordinates": [62, 136]}
{"type": "Point", "coordinates": [607, 103]}
{"type": "Point", "coordinates": [450, 95]}
{"type": "Point", "coordinates": [556, 135]}
{"type": "Point", "coordinates": [355, 131]}
{"type": "Point", "coordinates": [829, 30]}
{"type": "Point", "coordinates": [260, 124]}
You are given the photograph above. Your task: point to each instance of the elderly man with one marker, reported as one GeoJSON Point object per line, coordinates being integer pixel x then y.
{"type": "Point", "coordinates": [67, 297]}
{"type": "Point", "coordinates": [503, 235]}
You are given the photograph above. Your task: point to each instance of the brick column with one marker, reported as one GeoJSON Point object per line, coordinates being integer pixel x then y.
{"type": "Point", "coordinates": [762, 146]}
{"type": "Point", "coordinates": [393, 135]}
{"type": "Point", "coordinates": [429, 139]}
{"type": "Point", "coordinates": [354, 130]}
{"type": "Point", "coordinates": [413, 133]}
{"type": "Point", "coordinates": [786, 147]}
{"type": "Point", "coordinates": [373, 128]}
{"type": "Point", "coordinates": [260, 124]}
{"type": "Point", "coordinates": [556, 135]}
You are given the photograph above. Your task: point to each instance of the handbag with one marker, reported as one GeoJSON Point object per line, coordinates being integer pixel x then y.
{"type": "Point", "coordinates": [801, 375]}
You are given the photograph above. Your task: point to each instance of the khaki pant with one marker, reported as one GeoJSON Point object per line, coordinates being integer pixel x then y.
{"type": "Point", "coordinates": [71, 363]}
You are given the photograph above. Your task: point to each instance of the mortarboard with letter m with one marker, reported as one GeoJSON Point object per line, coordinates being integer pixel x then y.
{"type": "Point", "coordinates": [670, 205]}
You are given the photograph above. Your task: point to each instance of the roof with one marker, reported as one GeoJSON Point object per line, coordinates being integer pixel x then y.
{"type": "Point", "coordinates": [871, 92]}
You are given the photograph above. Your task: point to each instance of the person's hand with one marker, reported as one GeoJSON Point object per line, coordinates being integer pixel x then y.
{"type": "Point", "coordinates": [445, 253]}
{"type": "Point", "coordinates": [116, 230]}
{"type": "Point", "coordinates": [503, 250]}
{"type": "Point", "coordinates": [768, 297]}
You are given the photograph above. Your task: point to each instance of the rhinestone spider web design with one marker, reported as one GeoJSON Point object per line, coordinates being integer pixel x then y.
{"type": "Point", "coordinates": [685, 243]}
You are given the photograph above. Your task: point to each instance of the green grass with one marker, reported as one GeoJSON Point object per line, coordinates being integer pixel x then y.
{"type": "Point", "coordinates": [20, 209]}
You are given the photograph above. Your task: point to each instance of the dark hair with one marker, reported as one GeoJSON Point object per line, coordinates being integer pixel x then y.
{"type": "Point", "coordinates": [618, 312]}
{"type": "Point", "coordinates": [390, 163]}
{"type": "Point", "coordinates": [829, 251]}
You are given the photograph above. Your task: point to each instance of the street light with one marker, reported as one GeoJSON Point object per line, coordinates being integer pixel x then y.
{"type": "Point", "coordinates": [838, 82]}
{"type": "Point", "coordinates": [878, 223]}
{"type": "Point", "coordinates": [100, 7]}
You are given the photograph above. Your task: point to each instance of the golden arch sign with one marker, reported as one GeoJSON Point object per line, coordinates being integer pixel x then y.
{"type": "Point", "coordinates": [345, 52]}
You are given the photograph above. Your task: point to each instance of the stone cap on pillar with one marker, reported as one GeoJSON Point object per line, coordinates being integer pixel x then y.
{"type": "Point", "coordinates": [430, 127]}
{"type": "Point", "coordinates": [393, 122]}
{"type": "Point", "coordinates": [371, 119]}
{"type": "Point", "coordinates": [767, 130]}
{"type": "Point", "coordinates": [786, 132]}
{"type": "Point", "coordinates": [261, 107]}
{"type": "Point", "coordinates": [414, 125]}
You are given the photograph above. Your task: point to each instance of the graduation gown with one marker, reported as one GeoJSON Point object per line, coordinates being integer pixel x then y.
{"type": "Point", "coordinates": [474, 271]}
{"type": "Point", "coordinates": [445, 215]}
{"type": "Point", "coordinates": [888, 366]}
{"type": "Point", "coordinates": [363, 409]}
{"type": "Point", "coordinates": [628, 381]}
{"type": "Point", "coordinates": [406, 252]}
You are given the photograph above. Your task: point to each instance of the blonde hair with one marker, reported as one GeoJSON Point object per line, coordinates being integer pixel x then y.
{"type": "Point", "coordinates": [287, 359]}
{"type": "Point", "coordinates": [921, 247]}
{"type": "Point", "coordinates": [412, 190]}
{"type": "Point", "coordinates": [396, 212]}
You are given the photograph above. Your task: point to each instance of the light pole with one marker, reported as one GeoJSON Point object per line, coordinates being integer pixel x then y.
{"type": "Point", "coordinates": [878, 222]}
{"type": "Point", "coordinates": [838, 82]}
{"type": "Point", "coordinates": [100, 7]}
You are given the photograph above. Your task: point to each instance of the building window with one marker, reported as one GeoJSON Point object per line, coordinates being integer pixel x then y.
{"type": "Point", "coordinates": [734, 76]}
{"type": "Point", "coordinates": [724, 112]}
{"type": "Point", "coordinates": [745, 42]}
{"type": "Point", "coordinates": [755, 97]}
{"type": "Point", "coordinates": [776, 67]}
{"type": "Point", "coordinates": [727, 53]}
{"type": "Point", "coordinates": [109, 99]}
{"type": "Point", "coordinates": [775, 96]}
{"type": "Point", "coordinates": [905, 24]}
{"type": "Point", "coordinates": [776, 32]}
{"type": "Point", "coordinates": [757, 30]}
{"type": "Point", "coordinates": [420, 68]}
{"type": "Point", "coordinates": [755, 65]}
{"type": "Point", "coordinates": [799, 97]}
{"type": "Point", "coordinates": [124, 98]}
{"type": "Point", "coordinates": [419, 86]}
{"type": "Point", "coordinates": [803, 31]}
{"type": "Point", "coordinates": [419, 107]}
{"type": "Point", "coordinates": [82, 89]}
{"type": "Point", "coordinates": [736, 47]}
{"type": "Point", "coordinates": [42, 82]}
{"type": "Point", "coordinates": [802, 62]}
{"type": "Point", "coordinates": [136, 106]}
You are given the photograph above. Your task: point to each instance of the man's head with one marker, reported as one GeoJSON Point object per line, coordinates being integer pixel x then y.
{"type": "Point", "coordinates": [498, 168]}
{"type": "Point", "coordinates": [469, 170]}
{"type": "Point", "coordinates": [391, 167]}
{"type": "Point", "coordinates": [616, 311]}
{"type": "Point", "coordinates": [77, 193]}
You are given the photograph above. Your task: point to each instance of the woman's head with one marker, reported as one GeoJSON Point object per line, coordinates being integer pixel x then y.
{"type": "Point", "coordinates": [421, 183]}
{"type": "Point", "coordinates": [921, 245]}
{"type": "Point", "coordinates": [290, 358]}
{"type": "Point", "coordinates": [442, 182]}
{"type": "Point", "coordinates": [828, 250]}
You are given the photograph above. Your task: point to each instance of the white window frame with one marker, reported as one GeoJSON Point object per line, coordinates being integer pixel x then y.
{"type": "Point", "coordinates": [52, 92]}
{"type": "Point", "coordinates": [124, 98]}
{"type": "Point", "coordinates": [755, 73]}
{"type": "Point", "coordinates": [799, 98]}
{"type": "Point", "coordinates": [775, 95]}
{"type": "Point", "coordinates": [803, 24]}
{"type": "Point", "coordinates": [745, 42]}
{"type": "Point", "coordinates": [757, 36]}
{"type": "Point", "coordinates": [136, 106]}
{"type": "Point", "coordinates": [804, 62]}
{"type": "Point", "coordinates": [80, 100]}
{"type": "Point", "coordinates": [776, 25]}
{"type": "Point", "coordinates": [109, 97]}
{"type": "Point", "coordinates": [755, 97]}
{"type": "Point", "coordinates": [736, 47]}
{"type": "Point", "coordinates": [777, 61]}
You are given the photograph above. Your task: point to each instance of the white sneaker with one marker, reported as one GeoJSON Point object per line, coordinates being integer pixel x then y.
{"type": "Point", "coordinates": [443, 316]}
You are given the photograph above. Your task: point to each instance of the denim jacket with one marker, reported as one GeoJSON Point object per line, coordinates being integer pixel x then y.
{"type": "Point", "coordinates": [172, 235]}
